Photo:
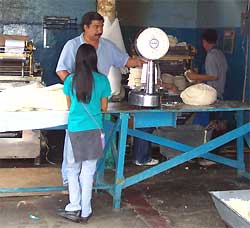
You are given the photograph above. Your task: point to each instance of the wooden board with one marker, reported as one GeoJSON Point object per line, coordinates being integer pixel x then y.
{"type": "Point", "coordinates": [29, 178]}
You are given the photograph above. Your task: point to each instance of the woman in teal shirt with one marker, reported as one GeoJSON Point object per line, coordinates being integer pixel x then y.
{"type": "Point", "coordinates": [87, 94]}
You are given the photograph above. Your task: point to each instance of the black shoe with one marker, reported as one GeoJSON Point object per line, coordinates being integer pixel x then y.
{"type": "Point", "coordinates": [84, 220]}
{"type": "Point", "coordinates": [71, 215]}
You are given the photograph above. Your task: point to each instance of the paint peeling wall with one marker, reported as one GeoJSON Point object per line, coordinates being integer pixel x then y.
{"type": "Point", "coordinates": [184, 19]}
{"type": "Point", "coordinates": [159, 13]}
{"type": "Point", "coordinates": [175, 17]}
{"type": "Point", "coordinates": [25, 17]}
{"type": "Point", "coordinates": [223, 15]}
{"type": "Point", "coordinates": [220, 13]}
{"type": "Point", "coordinates": [33, 11]}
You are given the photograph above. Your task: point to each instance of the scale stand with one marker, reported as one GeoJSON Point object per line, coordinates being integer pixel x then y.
{"type": "Point", "coordinates": [151, 44]}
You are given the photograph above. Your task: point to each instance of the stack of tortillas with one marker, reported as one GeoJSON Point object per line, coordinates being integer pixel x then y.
{"type": "Point", "coordinates": [134, 79]}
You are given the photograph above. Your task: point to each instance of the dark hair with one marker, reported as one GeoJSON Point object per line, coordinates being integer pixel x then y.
{"type": "Point", "coordinates": [210, 35]}
{"type": "Point", "coordinates": [85, 65]}
{"type": "Point", "coordinates": [89, 17]}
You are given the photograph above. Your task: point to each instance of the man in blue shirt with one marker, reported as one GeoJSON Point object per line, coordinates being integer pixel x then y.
{"type": "Point", "coordinates": [108, 55]}
{"type": "Point", "coordinates": [107, 52]}
{"type": "Point", "coordinates": [215, 64]}
{"type": "Point", "coordinates": [215, 75]}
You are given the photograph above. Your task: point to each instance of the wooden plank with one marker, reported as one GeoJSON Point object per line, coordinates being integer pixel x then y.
{"type": "Point", "coordinates": [29, 178]}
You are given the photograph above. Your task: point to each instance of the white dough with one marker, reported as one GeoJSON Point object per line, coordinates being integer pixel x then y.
{"type": "Point", "coordinates": [33, 97]}
{"type": "Point", "coordinates": [199, 94]}
{"type": "Point", "coordinates": [240, 206]}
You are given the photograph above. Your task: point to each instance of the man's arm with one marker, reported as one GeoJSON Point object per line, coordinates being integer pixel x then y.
{"type": "Point", "coordinates": [62, 74]}
{"type": "Point", "coordinates": [66, 61]}
{"type": "Point", "coordinates": [134, 62]}
{"type": "Point", "coordinates": [170, 87]}
{"type": "Point", "coordinates": [200, 77]}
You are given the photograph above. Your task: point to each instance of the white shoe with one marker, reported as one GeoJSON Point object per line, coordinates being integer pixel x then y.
{"type": "Point", "coordinates": [149, 163]}
{"type": "Point", "coordinates": [205, 162]}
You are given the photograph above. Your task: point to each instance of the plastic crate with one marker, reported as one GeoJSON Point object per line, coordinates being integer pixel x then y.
{"type": "Point", "coordinates": [231, 217]}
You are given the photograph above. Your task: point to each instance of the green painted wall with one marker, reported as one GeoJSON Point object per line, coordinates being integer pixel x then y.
{"type": "Point", "coordinates": [220, 13]}
{"type": "Point", "coordinates": [159, 13]}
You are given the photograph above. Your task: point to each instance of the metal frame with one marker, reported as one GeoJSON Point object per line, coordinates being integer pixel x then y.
{"type": "Point", "coordinates": [158, 118]}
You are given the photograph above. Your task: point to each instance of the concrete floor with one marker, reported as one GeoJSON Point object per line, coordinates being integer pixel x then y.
{"type": "Point", "coordinates": [178, 198]}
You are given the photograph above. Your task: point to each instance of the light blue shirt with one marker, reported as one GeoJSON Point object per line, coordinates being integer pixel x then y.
{"type": "Point", "coordinates": [108, 54]}
{"type": "Point", "coordinates": [79, 118]}
{"type": "Point", "coordinates": [216, 65]}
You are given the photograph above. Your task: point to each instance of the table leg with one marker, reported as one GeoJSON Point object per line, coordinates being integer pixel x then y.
{"type": "Point", "coordinates": [240, 143]}
{"type": "Point", "coordinates": [119, 177]}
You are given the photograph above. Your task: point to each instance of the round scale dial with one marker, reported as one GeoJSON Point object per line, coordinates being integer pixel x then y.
{"type": "Point", "coordinates": [152, 43]}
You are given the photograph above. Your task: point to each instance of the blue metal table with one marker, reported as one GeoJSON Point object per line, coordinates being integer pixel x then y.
{"type": "Point", "coordinates": [164, 116]}
{"type": "Point", "coordinates": [167, 116]}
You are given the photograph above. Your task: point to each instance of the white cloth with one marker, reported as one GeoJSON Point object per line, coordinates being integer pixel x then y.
{"type": "Point", "coordinates": [16, 121]}
{"type": "Point", "coordinates": [113, 33]}
{"type": "Point", "coordinates": [115, 78]}
{"type": "Point", "coordinates": [18, 105]}
{"type": "Point", "coordinates": [33, 97]}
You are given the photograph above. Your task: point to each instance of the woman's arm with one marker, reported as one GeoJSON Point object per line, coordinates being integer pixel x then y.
{"type": "Point", "coordinates": [104, 104]}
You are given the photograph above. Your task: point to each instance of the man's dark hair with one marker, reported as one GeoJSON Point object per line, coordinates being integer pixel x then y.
{"type": "Point", "coordinates": [210, 35]}
{"type": "Point", "coordinates": [89, 17]}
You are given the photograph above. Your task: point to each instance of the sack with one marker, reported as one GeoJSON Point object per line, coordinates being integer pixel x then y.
{"type": "Point", "coordinates": [87, 145]}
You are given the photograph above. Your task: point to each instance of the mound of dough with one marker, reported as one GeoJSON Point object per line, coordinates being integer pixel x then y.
{"type": "Point", "coordinates": [199, 94]}
{"type": "Point", "coordinates": [33, 97]}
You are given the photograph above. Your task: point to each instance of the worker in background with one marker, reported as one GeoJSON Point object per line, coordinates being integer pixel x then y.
{"type": "Point", "coordinates": [108, 54]}
{"type": "Point", "coordinates": [215, 64]}
{"type": "Point", "coordinates": [215, 75]}
{"type": "Point", "coordinates": [87, 93]}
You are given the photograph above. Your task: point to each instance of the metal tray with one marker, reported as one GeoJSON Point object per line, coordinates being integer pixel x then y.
{"type": "Point", "coordinates": [231, 217]}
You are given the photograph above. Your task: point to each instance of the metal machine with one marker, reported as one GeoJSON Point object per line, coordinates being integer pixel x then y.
{"type": "Point", "coordinates": [17, 68]}
{"type": "Point", "coordinates": [151, 44]}
{"type": "Point", "coordinates": [177, 60]}
{"type": "Point", "coordinates": [16, 60]}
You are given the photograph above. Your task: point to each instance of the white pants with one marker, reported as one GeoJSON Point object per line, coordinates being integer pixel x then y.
{"type": "Point", "coordinates": [67, 147]}
{"type": "Point", "coordinates": [80, 177]}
